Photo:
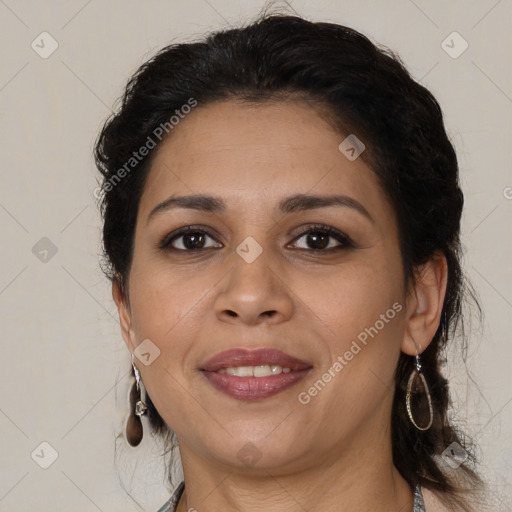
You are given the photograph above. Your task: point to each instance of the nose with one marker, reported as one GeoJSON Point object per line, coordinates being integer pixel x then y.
{"type": "Point", "coordinates": [254, 293]}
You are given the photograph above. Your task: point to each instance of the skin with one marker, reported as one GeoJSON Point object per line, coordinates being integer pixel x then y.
{"type": "Point", "coordinates": [337, 448]}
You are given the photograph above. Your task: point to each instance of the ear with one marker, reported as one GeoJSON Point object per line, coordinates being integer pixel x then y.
{"type": "Point", "coordinates": [425, 304]}
{"type": "Point", "coordinates": [123, 309]}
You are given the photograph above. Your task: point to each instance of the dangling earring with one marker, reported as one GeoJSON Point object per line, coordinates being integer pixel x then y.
{"type": "Point", "coordinates": [137, 409]}
{"type": "Point", "coordinates": [415, 373]}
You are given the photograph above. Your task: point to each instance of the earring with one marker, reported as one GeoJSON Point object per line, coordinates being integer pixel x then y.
{"type": "Point", "coordinates": [137, 409]}
{"type": "Point", "coordinates": [414, 374]}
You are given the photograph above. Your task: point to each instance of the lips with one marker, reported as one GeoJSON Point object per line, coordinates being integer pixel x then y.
{"type": "Point", "coordinates": [252, 387]}
{"type": "Point", "coordinates": [243, 357]}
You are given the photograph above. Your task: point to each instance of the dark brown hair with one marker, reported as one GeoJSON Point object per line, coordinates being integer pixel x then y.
{"type": "Point", "coordinates": [366, 90]}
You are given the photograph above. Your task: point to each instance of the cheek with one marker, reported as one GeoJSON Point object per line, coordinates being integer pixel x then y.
{"type": "Point", "coordinates": [354, 296]}
{"type": "Point", "coordinates": [162, 299]}
{"type": "Point", "coordinates": [166, 310]}
{"type": "Point", "coordinates": [362, 307]}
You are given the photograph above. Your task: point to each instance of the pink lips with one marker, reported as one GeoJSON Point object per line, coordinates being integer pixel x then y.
{"type": "Point", "coordinates": [253, 388]}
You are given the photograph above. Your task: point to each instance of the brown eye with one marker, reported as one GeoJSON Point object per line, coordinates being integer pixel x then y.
{"type": "Point", "coordinates": [317, 240]}
{"type": "Point", "coordinates": [322, 238]}
{"type": "Point", "coordinates": [190, 239]}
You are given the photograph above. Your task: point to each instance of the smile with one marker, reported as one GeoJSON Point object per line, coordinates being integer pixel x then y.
{"type": "Point", "coordinates": [254, 374]}
{"type": "Point", "coordinates": [255, 371]}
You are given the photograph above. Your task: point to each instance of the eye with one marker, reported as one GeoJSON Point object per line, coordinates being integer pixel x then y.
{"type": "Point", "coordinates": [319, 236]}
{"type": "Point", "coordinates": [188, 239]}
{"type": "Point", "coordinates": [194, 239]}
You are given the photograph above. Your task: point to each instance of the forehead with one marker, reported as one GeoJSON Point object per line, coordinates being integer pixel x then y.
{"type": "Point", "coordinates": [254, 153]}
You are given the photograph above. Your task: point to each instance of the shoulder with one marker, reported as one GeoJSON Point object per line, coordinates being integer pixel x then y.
{"type": "Point", "coordinates": [433, 503]}
{"type": "Point", "coordinates": [172, 503]}
{"type": "Point", "coordinates": [476, 502]}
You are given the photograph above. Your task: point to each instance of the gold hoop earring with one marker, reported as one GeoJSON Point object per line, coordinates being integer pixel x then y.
{"type": "Point", "coordinates": [138, 408]}
{"type": "Point", "coordinates": [414, 374]}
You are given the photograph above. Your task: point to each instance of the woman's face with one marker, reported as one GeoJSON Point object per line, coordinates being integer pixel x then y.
{"type": "Point", "coordinates": [246, 277]}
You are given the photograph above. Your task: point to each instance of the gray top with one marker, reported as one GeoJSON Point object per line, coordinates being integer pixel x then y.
{"type": "Point", "coordinates": [170, 506]}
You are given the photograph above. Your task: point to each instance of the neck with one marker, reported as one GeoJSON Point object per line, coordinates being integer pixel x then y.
{"type": "Point", "coordinates": [363, 478]}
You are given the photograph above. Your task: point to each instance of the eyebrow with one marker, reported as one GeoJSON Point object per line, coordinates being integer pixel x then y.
{"type": "Point", "coordinates": [291, 204]}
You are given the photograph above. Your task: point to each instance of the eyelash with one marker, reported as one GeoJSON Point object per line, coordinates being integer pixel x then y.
{"type": "Point", "coordinates": [346, 241]}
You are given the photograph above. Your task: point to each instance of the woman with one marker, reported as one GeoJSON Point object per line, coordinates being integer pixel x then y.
{"type": "Point", "coordinates": [281, 225]}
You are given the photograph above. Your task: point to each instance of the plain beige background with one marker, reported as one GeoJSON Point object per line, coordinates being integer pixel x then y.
{"type": "Point", "coordinates": [64, 369]}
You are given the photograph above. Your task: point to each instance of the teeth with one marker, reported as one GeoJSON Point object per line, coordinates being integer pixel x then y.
{"type": "Point", "coordinates": [262, 371]}
{"type": "Point", "coordinates": [255, 371]}
{"type": "Point", "coordinates": [241, 371]}
{"type": "Point", "coordinates": [276, 370]}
